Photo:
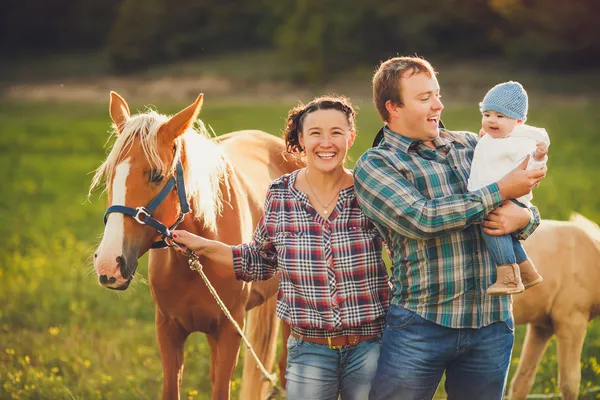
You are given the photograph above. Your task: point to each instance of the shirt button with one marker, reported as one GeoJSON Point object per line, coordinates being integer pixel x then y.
{"type": "Point", "coordinates": [334, 306]}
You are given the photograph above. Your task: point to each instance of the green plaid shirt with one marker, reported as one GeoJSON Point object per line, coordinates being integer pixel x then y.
{"type": "Point", "coordinates": [418, 199]}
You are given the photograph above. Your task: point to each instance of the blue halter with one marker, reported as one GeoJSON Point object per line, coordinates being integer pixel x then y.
{"type": "Point", "coordinates": [143, 215]}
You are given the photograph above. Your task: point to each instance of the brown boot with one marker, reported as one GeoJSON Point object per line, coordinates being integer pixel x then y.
{"type": "Point", "coordinates": [508, 281]}
{"type": "Point", "coordinates": [529, 274]}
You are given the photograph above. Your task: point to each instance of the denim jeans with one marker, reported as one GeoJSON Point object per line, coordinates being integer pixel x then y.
{"type": "Point", "coordinates": [504, 249]}
{"type": "Point", "coordinates": [316, 372]}
{"type": "Point", "coordinates": [416, 352]}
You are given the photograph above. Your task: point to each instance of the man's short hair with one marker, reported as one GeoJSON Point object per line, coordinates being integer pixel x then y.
{"type": "Point", "coordinates": [386, 81]}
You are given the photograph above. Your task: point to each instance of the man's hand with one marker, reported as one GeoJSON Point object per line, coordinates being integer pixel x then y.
{"type": "Point", "coordinates": [505, 219]}
{"type": "Point", "coordinates": [519, 182]}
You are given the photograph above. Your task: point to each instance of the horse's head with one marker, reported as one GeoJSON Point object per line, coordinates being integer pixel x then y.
{"type": "Point", "coordinates": [144, 181]}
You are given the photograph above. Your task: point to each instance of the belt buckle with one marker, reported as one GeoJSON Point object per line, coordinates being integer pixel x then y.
{"type": "Point", "coordinates": [331, 346]}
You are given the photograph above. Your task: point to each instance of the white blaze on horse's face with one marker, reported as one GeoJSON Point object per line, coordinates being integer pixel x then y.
{"type": "Point", "coordinates": [111, 248]}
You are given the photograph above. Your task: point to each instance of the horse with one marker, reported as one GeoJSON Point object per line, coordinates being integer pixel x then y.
{"type": "Point", "coordinates": [567, 254]}
{"type": "Point", "coordinates": [214, 187]}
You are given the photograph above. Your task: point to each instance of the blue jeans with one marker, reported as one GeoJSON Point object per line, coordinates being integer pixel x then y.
{"type": "Point", "coordinates": [505, 249]}
{"type": "Point", "coordinates": [416, 352]}
{"type": "Point", "coordinates": [316, 372]}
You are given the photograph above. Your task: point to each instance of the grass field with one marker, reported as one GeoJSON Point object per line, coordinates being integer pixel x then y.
{"type": "Point", "coordinates": [62, 336]}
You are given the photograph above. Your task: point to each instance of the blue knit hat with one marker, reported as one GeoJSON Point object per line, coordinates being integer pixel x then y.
{"type": "Point", "coordinates": [508, 98]}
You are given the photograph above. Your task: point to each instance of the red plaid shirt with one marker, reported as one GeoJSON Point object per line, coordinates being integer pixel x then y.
{"type": "Point", "coordinates": [333, 278]}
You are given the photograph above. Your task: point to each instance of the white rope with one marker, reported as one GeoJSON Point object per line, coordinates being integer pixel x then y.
{"type": "Point", "coordinates": [195, 265]}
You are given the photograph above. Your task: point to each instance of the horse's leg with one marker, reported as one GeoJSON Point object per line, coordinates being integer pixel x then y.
{"type": "Point", "coordinates": [262, 330]}
{"type": "Point", "coordinates": [228, 350]}
{"type": "Point", "coordinates": [534, 345]}
{"type": "Point", "coordinates": [570, 336]}
{"type": "Point", "coordinates": [213, 358]}
{"type": "Point", "coordinates": [171, 338]}
{"type": "Point", "coordinates": [285, 334]}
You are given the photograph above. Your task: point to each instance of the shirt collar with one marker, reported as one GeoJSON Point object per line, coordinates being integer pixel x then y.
{"type": "Point", "coordinates": [405, 144]}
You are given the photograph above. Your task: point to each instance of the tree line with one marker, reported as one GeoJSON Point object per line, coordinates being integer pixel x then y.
{"type": "Point", "coordinates": [319, 37]}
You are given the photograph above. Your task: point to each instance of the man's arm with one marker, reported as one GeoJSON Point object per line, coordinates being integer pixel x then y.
{"type": "Point", "coordinates": [510, 218]}
{"type": "Point", "coordinates": [389, 199]}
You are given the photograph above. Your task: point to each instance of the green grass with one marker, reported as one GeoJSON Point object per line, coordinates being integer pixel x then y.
{"type": "Point", "coordinates": [62, 336]}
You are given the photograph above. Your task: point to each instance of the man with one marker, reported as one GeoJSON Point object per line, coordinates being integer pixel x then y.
{"type": "Point", "coordinates": [414, 188]}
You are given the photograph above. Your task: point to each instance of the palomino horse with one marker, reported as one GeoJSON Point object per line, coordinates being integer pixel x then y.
{"type": "Point", "coordinates": [567, 254]}
{"type": "Point", "coordinates": [156, 166]}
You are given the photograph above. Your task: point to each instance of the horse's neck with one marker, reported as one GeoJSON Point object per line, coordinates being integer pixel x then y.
{"type": "Point", "coordinates": [241, 211]}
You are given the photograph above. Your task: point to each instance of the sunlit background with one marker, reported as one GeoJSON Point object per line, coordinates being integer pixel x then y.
{"type": "Point", "coordinates": [62, 336]}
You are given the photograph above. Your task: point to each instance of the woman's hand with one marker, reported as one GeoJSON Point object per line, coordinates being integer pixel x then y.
{"type": "Point", "coordinates": [193, 242]}
{"type": "Point", "coordinates": [211, 249]}
{"type": "Point", "coordinates": [506, 219]}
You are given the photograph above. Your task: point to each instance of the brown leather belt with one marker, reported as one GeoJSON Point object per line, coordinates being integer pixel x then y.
{"type": "Point", "coordinates": [338, 341]}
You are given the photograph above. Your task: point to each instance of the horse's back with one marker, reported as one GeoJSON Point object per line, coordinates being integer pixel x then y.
{"type": "Point", "coordinates": [258, 157]}
{"type": "Point", "coordinates": [567, 255]}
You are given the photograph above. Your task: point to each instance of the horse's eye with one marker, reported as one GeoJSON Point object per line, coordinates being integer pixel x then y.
{"type": "Point", "coordinates": [156, 176]}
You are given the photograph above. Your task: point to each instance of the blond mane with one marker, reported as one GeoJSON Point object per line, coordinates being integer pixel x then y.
{"type": "Point", "coordinates": [205, 165]}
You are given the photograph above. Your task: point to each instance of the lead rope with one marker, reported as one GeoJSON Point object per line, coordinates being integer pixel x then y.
{"type": "Point", "coordinates": [194, 263]}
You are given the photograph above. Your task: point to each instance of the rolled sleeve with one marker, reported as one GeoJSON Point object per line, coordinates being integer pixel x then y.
{"type": "Point", "coordinates": [534, 222]}
{"type": "Point", "coordinates": [257, 260]}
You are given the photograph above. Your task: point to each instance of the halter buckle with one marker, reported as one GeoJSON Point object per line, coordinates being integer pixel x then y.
{"type": "Point", "coordinates": [141, 210]}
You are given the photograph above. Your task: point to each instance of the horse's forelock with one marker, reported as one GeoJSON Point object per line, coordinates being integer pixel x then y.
{"type": "Point", "coordinates": [205, 167]}
{"type": "Point", "coordinates": [143, 127]}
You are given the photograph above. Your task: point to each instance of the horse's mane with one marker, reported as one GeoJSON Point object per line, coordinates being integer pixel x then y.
{"type": "Point", "coordinates": [205, 165]}
{"type": "Point", "coordinates": [589, 227]}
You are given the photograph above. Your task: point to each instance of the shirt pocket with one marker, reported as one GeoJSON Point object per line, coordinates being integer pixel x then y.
{"type": "Point", "coordinates": [292, 247]}
{"type": "Point", "coordinates": [362, 241]}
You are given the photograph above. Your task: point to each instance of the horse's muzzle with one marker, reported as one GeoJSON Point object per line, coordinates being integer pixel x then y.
{"type": "Point", "coordinates": [123, 286]}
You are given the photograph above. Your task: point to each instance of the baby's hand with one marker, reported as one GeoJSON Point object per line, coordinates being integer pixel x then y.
{"type": "Point", "coordinates": [541, 149]}
{"type": "Point", "coordinates": [481, 132]}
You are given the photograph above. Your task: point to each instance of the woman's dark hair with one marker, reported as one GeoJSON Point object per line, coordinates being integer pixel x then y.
{"type": "Point", "coordinates": [297, 114]}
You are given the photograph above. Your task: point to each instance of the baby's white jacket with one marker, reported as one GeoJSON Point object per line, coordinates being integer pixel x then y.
{"type": "Point", "coordinates": [494, 158]}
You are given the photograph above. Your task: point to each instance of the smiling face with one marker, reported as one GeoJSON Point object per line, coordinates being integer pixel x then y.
{"type": "Point", "coordinates": [326, 137]}
{"type": "Point", "coordinates": [419, 116]}
{"type": "Point", "coordinates": [498, 125]}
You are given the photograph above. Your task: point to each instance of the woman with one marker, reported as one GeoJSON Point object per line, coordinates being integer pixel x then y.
{"type": "Point", "coordinates": [334, 286]}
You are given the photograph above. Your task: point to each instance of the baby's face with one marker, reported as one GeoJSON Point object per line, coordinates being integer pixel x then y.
{"type": "Point", "coordinates": [498, 125]}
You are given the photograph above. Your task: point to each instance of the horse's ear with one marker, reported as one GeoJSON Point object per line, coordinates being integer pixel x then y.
{"type": "Point", "coordinates": [119, 110]}
{"type": "Point", "coordinates": [181, 121]}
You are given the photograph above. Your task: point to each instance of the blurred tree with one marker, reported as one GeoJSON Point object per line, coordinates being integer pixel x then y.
{"type": "Point", "coordinates": [322, 37]}
{"type": "Point", "coordinates": [154, 31]}
{"type": "Point", "coordinates": [37, 26]}
{"type": "Point", "coordinates": [326, 36]}
{"type": "Point", "coordinates": [550, 33]}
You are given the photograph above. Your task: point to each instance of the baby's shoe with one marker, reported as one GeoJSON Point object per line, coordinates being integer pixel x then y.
{"type": "Point", "coordinates": [508, 281]}
{"type": "Point", "coordinates": [529, 275]}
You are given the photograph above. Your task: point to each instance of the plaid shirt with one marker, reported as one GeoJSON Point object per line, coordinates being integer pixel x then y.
{"type": "Point", "coordinates": [333, 278]}
{"type": "Point", "coordinates": [418, 199]}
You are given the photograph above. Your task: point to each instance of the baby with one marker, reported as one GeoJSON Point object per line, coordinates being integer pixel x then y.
{"type": "Point", "coordinates": [504, 144]}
